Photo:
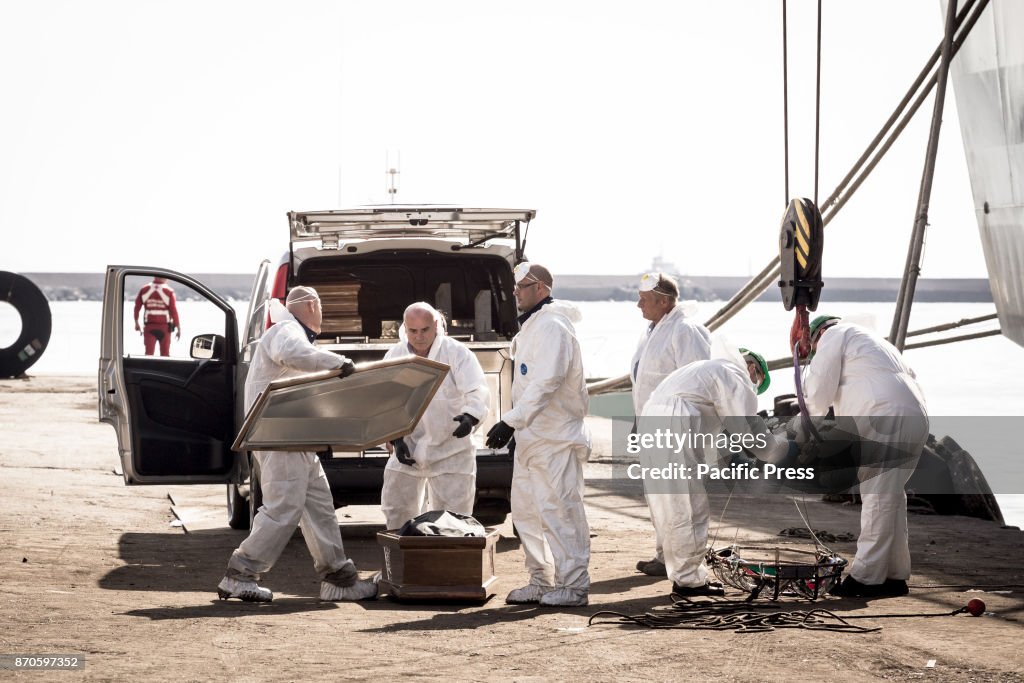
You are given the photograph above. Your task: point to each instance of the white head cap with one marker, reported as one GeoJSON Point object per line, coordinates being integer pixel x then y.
{"type": "Point", "coordinates": [533, 272]}
{"type": "Point", "coordinates": [300, 294]}
{"type": "Point", "coordinates": [297, 295]}
{"type": "Point", "coordinates": [659, 283]}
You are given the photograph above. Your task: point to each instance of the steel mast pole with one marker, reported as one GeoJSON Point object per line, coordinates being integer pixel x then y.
{"type": "Point", "coordinates": [901, 317]}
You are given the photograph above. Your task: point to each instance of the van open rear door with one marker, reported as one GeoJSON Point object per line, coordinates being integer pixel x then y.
{"type": "Point", "coordinates": [470, 226]}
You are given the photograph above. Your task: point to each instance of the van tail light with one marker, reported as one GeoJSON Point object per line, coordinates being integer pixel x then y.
{"type": "Point", "coordinates": [280, 289]}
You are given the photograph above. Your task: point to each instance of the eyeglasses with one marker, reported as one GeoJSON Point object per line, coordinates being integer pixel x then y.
{"type": "Point", "coordinates": [520, 288]}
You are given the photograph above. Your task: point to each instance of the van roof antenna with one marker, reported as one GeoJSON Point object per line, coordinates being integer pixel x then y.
{"type": "Point", "coordinates": [392, 173]}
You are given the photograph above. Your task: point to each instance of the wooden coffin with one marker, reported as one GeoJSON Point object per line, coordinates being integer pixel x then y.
{"type": "Point", "coordinates": [438, 567]}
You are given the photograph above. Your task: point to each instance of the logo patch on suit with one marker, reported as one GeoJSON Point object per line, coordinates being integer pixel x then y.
{"type": "Point", "coordinates": [522, 368]}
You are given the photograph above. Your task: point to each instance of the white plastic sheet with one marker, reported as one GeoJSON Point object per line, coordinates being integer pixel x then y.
{"type": "Point", "coordinates": [988, 80]}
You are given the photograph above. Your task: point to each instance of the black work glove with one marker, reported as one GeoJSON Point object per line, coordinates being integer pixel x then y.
{"type": "Point", "coordinates": [402, 452]}
{"type": "Point", "coordinates": [347, 368]}
{"type": "Point", "coordinates": [466, 424]}
{"type": "Point", "coordinates": [499, 434]}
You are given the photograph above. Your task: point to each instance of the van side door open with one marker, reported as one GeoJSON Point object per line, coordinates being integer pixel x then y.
{"type": "Point", "coordinates": [174, 414]}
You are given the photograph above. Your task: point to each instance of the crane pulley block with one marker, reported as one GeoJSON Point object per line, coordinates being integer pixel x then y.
{"type": "Point", "coordinates": [801, 239]}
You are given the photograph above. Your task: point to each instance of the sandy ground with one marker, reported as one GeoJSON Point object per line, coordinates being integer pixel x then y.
{"type": "Point", "coordinates": [91, 567]}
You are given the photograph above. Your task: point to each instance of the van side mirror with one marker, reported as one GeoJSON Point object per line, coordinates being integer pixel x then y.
{"type": "Point", "coordinates": [208, 347]}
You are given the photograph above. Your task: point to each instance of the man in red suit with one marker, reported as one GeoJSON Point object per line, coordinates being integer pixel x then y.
{"type": "Point", "coordinates": [160, 318]}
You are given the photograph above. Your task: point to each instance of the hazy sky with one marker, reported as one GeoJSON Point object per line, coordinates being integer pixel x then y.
{"type": "Point", "coordinates": [180, 133]}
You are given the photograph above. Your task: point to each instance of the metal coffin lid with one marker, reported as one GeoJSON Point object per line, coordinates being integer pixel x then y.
{"type": "Point", "coordinates": [383, 400]}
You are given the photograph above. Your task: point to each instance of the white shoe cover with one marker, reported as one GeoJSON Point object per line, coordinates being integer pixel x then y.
{"type": "Point", "coordinates": [529, 594]}
{"type": "Point", "coordinates": [249, 591]}
{"type": "Point", "coordinates": [360, 590]}
{"type": "Point", "coordinates": [565, 597]}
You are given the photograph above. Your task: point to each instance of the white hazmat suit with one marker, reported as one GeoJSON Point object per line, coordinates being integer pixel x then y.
{"type": "Point", "coordinates": [549, 397]}
{"type": "Point", "coordinates": [696, 399]}
{"type": "Point", "coordinates": [445, 469]}
{"type": "Point", "coordinates": [294, 486]}
{"type": "Point", "coordinates": [864, 377]}
{"type": "Point", "coordinates": [672, 343]}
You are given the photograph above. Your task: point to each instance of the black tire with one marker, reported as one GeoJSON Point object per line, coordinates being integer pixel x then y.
{"type": "Point", "coordinates": [30, 303]}
{"type": "Point", "coordinates": [255, 494]}
{"type": "Point", "coordinates": [238, 508]}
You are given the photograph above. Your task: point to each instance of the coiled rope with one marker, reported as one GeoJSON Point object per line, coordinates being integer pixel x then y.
{"type": "Point", "coordinates": [740, 618]}
{"type": "Point", "coordinates": [731, 616]}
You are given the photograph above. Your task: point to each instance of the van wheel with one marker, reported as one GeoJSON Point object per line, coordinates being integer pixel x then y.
{"type": "Point", "coordinates": [238, 508]}
{"type": "Point", "coordinates": [255, 495]}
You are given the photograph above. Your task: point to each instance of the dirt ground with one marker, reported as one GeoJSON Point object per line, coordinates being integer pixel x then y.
{"type": "Point", "coordinates": [93, 568]}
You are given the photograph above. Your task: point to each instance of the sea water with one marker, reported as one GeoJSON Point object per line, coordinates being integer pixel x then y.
{"type": "Point", "coordinates": [973, 378]}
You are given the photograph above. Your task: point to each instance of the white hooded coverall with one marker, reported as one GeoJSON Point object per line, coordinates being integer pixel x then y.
{"type": "Point", "coordinates": [295, 488]}
{"type": "Point", "coordinates": [549, 397]}
{"type": "Point", "coordinates": [864, 377]}
{"type": "Point", "coordinates": [696, 398]}
{"type": "Point", "coordinates": [671, 343]}
{"type": "Point", "coordinates": [445, 469]}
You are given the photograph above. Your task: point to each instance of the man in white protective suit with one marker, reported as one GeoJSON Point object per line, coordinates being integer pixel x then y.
{"type": "Point", "coordinates": [549, 402]}
{"type": "Point", "coordinates": [865, 379]}
{"type": "Point", "coordinates": [295, 488]}
{"type": "Point", "coordinates": [706, 397]}
{"type": "Point", "coordinates": [671, 341]}
{"type": "Point", "coordinates": [437, 462]}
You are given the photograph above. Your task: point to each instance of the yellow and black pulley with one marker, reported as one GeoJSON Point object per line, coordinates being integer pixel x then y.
{"type": "Point", "coordinates": [801, 239]}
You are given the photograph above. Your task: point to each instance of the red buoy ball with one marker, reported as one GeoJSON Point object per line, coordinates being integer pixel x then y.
{"type": "Point", "coordinates": [976, 607]}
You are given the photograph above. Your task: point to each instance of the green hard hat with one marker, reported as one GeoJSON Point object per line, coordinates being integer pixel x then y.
{"type": "Point", "coordinates": [759, 359]}
{"type": "Point", "coordinates": [817, 324]}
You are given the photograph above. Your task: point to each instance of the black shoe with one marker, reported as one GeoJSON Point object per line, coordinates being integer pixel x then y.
{"type": "Point", "coordinates": [852, 588]}
{"type": "Point", "coordinates": [710, 589]}
{"type": "Point", "coordinates": [653, 567]}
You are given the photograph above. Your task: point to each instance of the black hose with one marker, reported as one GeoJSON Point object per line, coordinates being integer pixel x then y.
{"type": "Point", "coordinates": [31, 305]}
